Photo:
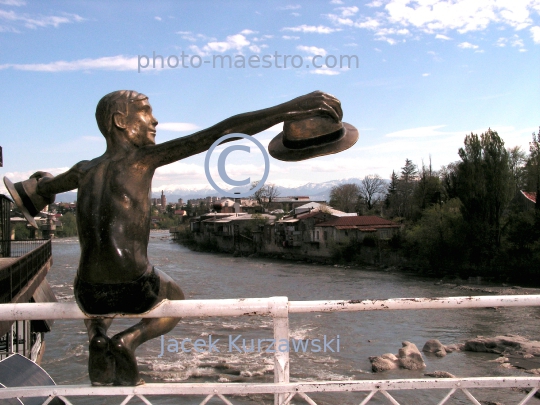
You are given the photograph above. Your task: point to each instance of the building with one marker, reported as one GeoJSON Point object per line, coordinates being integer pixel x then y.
{"type": "Point", "coordinates": [163, 201]}
{"type": "Point", "coordinates": [344, 229]}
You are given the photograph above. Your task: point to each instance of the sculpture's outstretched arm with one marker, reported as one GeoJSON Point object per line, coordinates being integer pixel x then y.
{"type": "Point", "coordinates": [309, 105]}
{"type": "Point", "coordinates": [49, 185]}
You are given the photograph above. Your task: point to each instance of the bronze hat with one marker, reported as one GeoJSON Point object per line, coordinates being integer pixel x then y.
{"type": "Point", "coordinates": [312, 137]}
{"type": "Point", "coordinates": [25, 196]}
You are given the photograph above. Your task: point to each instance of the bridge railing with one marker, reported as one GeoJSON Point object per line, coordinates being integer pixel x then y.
{"type": "Point", "coordinates": [282, 389]}
{"type": "Point", "coordinates": [31, 257]}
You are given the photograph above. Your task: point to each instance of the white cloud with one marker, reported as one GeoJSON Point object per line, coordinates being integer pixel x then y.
{"type": "Point", "coordinates": [369, 23]}
{"type": "Point", "coordinates": [234, 42]}
{"type": "Point", "coordinates": [444, 37]}
{"type": "Point", "coordinates": [348, 11]}
{"type": "Point", "coordinates": [16, 3]}
{"type": "Point", "coordinates": [312, 50]}
{"type": "Point", "coordinates": [291, 7]}
{"type": "Point", "coordinates": [320, 29]}
{"type": "Point", "coordinates": [375, 3]}
{"type": "Point", "coordinates": [517, 42]}
{"type": "Point", "coordinates": [41, 21]}
{"type": "Point", "coordinates": [177, 126]}
{"type": "Point", "coordinates": [440, 16]}
{"type": "Point", "coordinates": [289, 37]}
{"type": "Point", "coordinates": [417, 132]}
{"type": "Point", "coordinates": [426, 74]}
{"type": "Point", "coordinates": [119, 62]}
{"type": "Point", "coordinates": [247, 32]}
{"type": "Point", "coordinates": [336, 2]}
{"type": "Point", "coordinates": [501, 42]}
{"type": "Point", "coordinates": [339, 20]}
{"type": "Point", "coordinates": [157, 18]}
{"type": "Point", "coordinates": [467, 45]}
{"type": "Point", "coordinates": [535, 34]}
{"type": "Point", "coordinates": [326, 72]}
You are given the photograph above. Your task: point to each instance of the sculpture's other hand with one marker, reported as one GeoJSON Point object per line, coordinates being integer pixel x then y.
{"type": "Point", "coordinates": [40, 175]}
{"type": "Point", "coordinates": [316, 103]}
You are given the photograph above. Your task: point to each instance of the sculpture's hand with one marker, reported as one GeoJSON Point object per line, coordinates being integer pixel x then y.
{"type": "Point", "coordinates": [316, 103]}
{"type": "Point", "coordinates": [40, 175]}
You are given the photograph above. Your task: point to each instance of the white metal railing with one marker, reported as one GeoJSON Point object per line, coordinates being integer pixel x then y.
{"type": "Point", "coordinates": [279, 308]}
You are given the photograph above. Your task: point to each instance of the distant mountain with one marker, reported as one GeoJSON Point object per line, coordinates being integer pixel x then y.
{"type": "Point", "coordinates": [316, 191]}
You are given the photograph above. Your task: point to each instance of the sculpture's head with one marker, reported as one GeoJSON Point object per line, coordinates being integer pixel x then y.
{"type": "Point", "coordinates": [126, 113]}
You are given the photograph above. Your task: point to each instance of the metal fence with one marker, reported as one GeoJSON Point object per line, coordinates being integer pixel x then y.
{"type": "Point", "coordinates": [21, 247]}
{"type": "Point", "coordinates": [283, 390]}
{"type": "Point", "coordinates": [32, 256]}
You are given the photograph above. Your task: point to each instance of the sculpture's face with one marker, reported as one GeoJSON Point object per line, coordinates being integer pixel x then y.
{"type": "Point", "coordinates": [141, 124]}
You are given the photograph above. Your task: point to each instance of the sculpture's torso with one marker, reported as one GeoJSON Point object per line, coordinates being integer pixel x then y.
{"type": "Point", "coordinates": [113, 219]}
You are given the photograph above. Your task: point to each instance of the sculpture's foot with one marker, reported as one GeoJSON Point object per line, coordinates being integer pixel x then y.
{"type": "Point", "coordinates": [101, 367]}
{"type": "Point", "coordinates": [126, 370]}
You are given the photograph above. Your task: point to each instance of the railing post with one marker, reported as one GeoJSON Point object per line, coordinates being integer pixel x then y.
{"type": "Point", "coordinates": [279, 308]}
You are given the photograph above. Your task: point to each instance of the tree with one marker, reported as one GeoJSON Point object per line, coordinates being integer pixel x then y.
{"type": "Point", "coordinates": [345, 197]}
{"type": "Point", "coordinates": [484, 186]}
{"type": "Point", "coordinates": [429, 189]}
{"type": "Point", "coordinates": [266, 194]}
{"type": "Point", "coordinates": [437, 238]}
{"type": "Point", "coordinates": [409, 172]}
{"type": "Point", "coordinates": [533, 168]}
{"type": "Point", "coordinates": [516, 160]}
{"type": "Point", "coordinates": [69, 224]}
{"type": "Point", "coordinates": [400, 202]}
{"type": "Point", "coordinates": [371, 188]}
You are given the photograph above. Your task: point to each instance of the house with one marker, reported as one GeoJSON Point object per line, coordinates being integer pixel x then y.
{"type": "Point", "coordinates": [343, 229]}
{"type": "Point", "coordinates": [289, 203]}
{"type": "Point", "coordinates": [297, 229]}
{"type": "Point", "coordinates": [316, 206]}
{"type": "Point", "coordinates": [226, 205]}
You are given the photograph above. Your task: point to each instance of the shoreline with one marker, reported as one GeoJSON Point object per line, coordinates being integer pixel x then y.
{"type": "Point", "coordinates": [473, 284]}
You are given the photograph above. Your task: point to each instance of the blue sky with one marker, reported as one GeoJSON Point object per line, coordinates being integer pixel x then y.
{"type": "Point", "coordinates": [429, 72]}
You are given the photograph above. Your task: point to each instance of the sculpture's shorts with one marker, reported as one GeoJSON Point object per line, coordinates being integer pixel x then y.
{"type": "Point", "coordinates": [133, 297]}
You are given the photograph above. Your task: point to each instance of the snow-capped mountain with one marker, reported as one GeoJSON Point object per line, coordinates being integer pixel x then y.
{"type": "Point", "coordinates": [316, 191]}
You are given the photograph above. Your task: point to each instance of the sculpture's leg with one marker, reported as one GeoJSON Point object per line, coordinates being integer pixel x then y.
{"type": "Point", "coordinates": [101, 367]}
{"type": "Point", "coordinates": [123, 344]}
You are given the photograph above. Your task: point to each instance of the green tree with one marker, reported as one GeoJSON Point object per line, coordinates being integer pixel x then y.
{"type": "Point", "coordinates": [429, 189]}
{"type": "Point", "coordinates": [533, 168]}
{"type": "Point", "coordinates": [436, 240]}
{"type": "Point", "coordinates": [21, 231]}
{"type": "Point", "coordinates": [345, 197]}
{"type": "Point", "coordinates": [69, 224]}
{"type": "Point", "coordinates": [484, 186]}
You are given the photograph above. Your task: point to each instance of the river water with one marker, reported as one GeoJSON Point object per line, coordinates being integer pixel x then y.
{"type": "Point", "coordinates": [361, 334]}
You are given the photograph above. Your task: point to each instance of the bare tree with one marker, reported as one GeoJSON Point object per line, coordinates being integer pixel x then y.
{"type": "Point", "coordinates": [266, 194]}
{"type": "Point", "coordinates": [345, 197]}
{"type": "Point", "coordinates": [371, 189]}
{"type": "Point", "coordinates": [271, 192]}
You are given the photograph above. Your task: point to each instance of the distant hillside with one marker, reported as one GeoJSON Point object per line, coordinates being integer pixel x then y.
{"type": "Point", "coordinates": [316, 191]}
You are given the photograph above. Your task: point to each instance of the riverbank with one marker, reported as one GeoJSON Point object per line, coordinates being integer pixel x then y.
{"type": "Point", "coordinates": [373, 259]}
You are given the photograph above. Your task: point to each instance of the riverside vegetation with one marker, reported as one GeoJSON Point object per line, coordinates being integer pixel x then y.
{"type": "Point", "coordinates": [467, 219]}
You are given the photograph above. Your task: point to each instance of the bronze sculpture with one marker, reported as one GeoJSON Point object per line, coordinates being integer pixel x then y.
{"type": "Point", "coordinates": [113, 217]}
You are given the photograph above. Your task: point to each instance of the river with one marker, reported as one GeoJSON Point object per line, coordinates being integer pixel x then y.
{"type": "Point", "coordinates": [361, 334]}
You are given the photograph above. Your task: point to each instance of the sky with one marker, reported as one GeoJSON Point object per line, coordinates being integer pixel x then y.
{"type": "Point", "coordinates": [422, 75]}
